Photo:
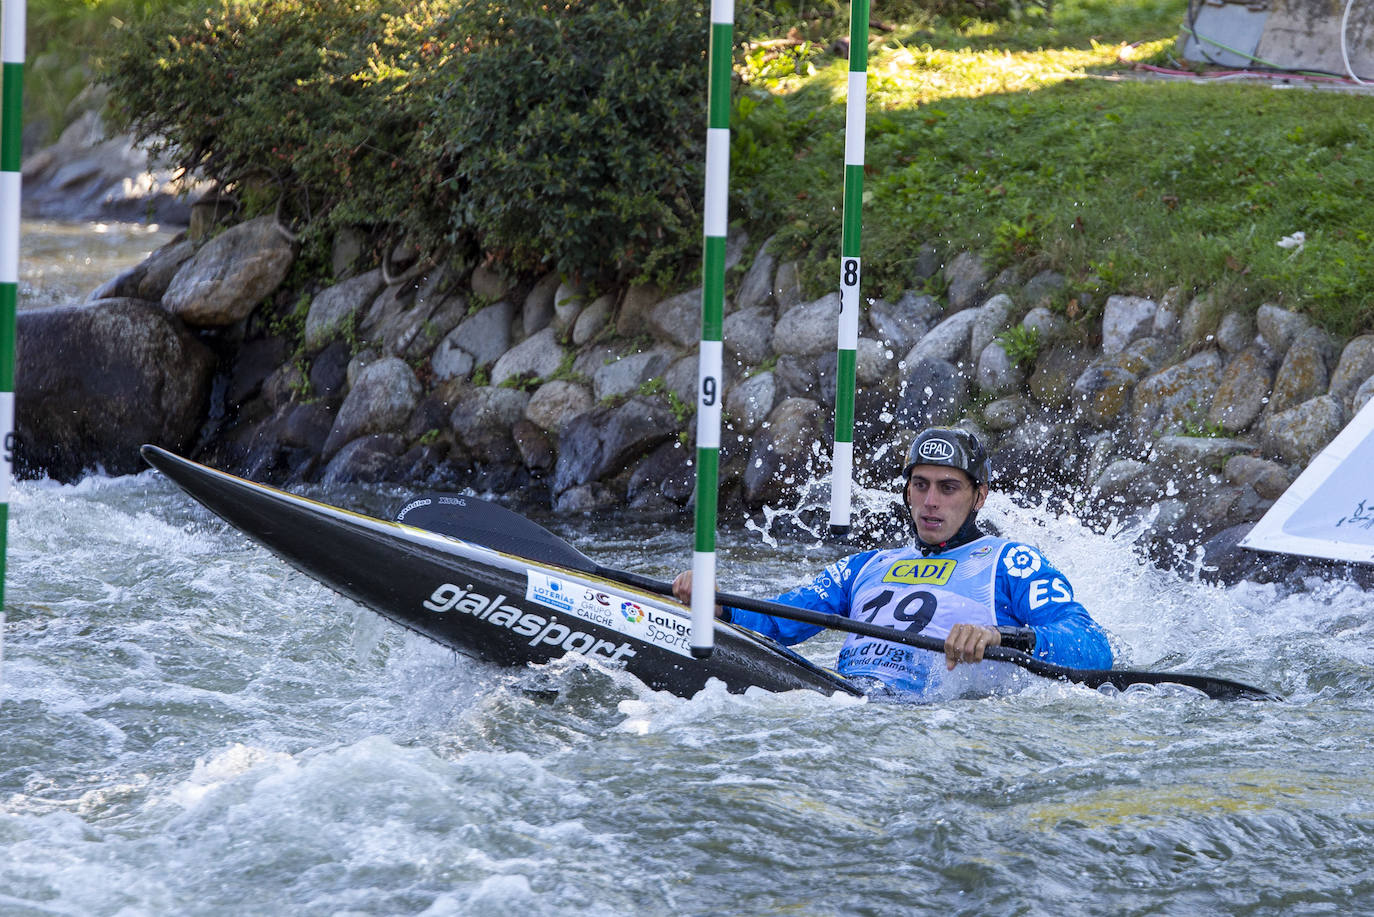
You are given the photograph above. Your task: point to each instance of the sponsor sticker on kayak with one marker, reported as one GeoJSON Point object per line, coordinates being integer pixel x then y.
{"type": "Point", "coordinates": [637, 621]}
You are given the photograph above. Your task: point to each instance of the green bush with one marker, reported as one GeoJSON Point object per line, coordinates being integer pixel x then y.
{"type": "Point", "coordinates": [572, 135]}
{"type": "Point", "coordinates": [564, 136]}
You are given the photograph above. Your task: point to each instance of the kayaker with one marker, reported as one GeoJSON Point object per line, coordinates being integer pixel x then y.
{"type": "Point", "coordinates": [954, 581]}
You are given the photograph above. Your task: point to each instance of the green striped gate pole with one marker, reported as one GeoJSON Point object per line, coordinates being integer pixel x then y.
{"type": "Point", "coordinates": [11, 119]}
{"type": "Point", "coordinates": [842, 467]}
{"type": "Point", "coordinates": [709, 387]}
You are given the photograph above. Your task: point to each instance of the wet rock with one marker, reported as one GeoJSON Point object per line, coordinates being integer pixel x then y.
{"type": "Point", "coordinates": [537, 313]}
{"type": "Point", "coordinates": [787, 287]}
{"type": "Point", "coordinates": [797, 377]}
{"type": "Point", "coordinates": [367, 460]}
{"type": "Point", "coordinates": [627, 374]}
{"type": "Point", "coordinates": [1033, 455]}
{"type": "Point", "coordinates": [593, 319]}
{"type": "Point", "coordinates": [555, 403]}
{"type": "Point", "coordinates": [1047, 324]}
{"type": "Point", "coordinates": [1297, 434]}
{"type": "Point", "coordinates": [1056, 370]}
{"type": "Point", "coordinates": [408, 319]}
{"type": "Point", "coordinates": [966, 278]}
{"type": "Point", "coordinates": [902, 324]}
{"type": "Point", "coordinates": [233, 272]}
{"type": "Point", "coordinates": [677, 319]}
{"type": "Point", "coordinates": [1177, 397]}
{"type": "Point", "coordinates": [254, 362]}
{"type": "Point", "coordinates": [993, 317]}
{"type": "Point", "coordinates": [1355, 366]}
{"type": "Point", "coordinates": [1268, 479]}
{"type": "Point", "coordinates": [1182, 458]}
{"type": "Point", "coordinates": [1126, 483]}
{"type": "Point", "coordinates": [1124, 319]}
{"type": "Point", "coordinates": [536, 357]}
{"type": "Point", "coordinates": [1305, 371]}
{"type": "Point", "coordinates": [934, 392]}
{"type": "Point", "coordinates": [1005, 413]}
{"type": "Point", "coordinates": [782, 453]}
{"type": "Point", "coordinates": [632, 318]}
{"type": "Point", "coordinates": [667, 471]}
{"type": "Point", "coordinates": [756, 289]}
{"type": "Point", "coordinates": [997, 375]}
{"type": "Point", "coordinates": [96, 381]}
{"type": "Point", "coordinates": [329, 372]}
{"type": "Point", "coordinates": [1199, 322]}
{"type": "Point", "coordinates": [1236, 331]}
{"type": "Point", "coordinates": [604, 441]}
{"type": "Point", "coordinates": [1280, 328]}
{"type": "Point", "coordinates": [150, 278]}
{"type": "Point", "coordinates": [484, 336]}
{"type": "Point", "coordinates": [748, 335]}
{"type": "Point", "coordinates": [380, 402]}
{"type": "Point", "coordinates": [808, 329]}
{"type": "Point", "coordinates": [335, 309]}
{"type": "Point", "coordinates": [749, 402]}
{"type": "Point", "coordinates": [306, 426]}
{"type": "Point", "coordinates": [873, 362]}
{"type": "Point", "coordinates": [947, 341]}
{"type": "Point", "coordinates": [1103, 392]}
{"type": "Point", "coordinates": [1243, 391]}
{"type": "Point", "coordinates": [568, 302]}
{"type": "Point", "coordinates": [535, 446]}
{"type": "Point", "coordinates": [482, 420]}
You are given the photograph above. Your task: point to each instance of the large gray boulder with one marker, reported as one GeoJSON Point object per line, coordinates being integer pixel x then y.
{"type": "Point", "coordinates": [233, 272]}
{"type": "Point", "coordinates": [782, 453]}
{"type": "Point", "coordinates": [96, 381]}
{"type": "Point", "coordinates": [605, 441]}
{"type": "Point", "coordinates": [809, 329]}
{"type": "Point", "coordinates": [334, 309]}
{"type": "Point", "coordinates": [1124, 319]}
{"type": "Point", "coordinates": [1299, 433]}
{"type": "Point", "coordinates": [536, 357]}
{"type": "Point", "coordinates": [901, 324]}
{"type": "Point", "coordinates": [1240, 397]}
{"type": "Point", "coordinates": [1355, 366]}
{"type": "Point", "coordinates": [381, 400]}
{"type": "Point", "coordinates": [1305, 372]}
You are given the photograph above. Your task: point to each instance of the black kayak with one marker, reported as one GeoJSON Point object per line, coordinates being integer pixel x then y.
{"type": "Point", "coordinates": [474, 593]}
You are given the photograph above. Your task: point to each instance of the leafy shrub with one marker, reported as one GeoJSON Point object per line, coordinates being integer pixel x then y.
{"type": "Point", "coordinates": [571, 135]}
{"type": "Point", "coordinates": [564, 135]}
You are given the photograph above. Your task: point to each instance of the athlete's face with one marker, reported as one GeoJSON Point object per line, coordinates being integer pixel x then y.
{"type": "Point", "coordinates": [941, 499]}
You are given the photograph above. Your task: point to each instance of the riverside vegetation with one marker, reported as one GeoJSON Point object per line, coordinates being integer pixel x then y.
{"type": "Point", "coordinates": [453, 244]}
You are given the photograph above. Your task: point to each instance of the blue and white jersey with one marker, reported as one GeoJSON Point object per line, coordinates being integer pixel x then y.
{"type": "Point", "coordinates": [990, 581]}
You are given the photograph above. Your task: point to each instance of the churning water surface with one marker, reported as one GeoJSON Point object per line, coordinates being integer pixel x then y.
{"type": "Point", "coordinates": [189, 727]}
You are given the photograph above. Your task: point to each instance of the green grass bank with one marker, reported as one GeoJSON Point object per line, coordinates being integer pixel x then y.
{"type": "Point", "coordinates": [1030, 138]}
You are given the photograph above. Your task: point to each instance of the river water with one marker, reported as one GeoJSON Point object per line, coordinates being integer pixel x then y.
{"type": "Point", "coordinates": [189, 727]}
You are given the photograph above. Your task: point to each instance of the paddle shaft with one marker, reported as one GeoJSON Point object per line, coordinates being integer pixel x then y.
{"type": "Point", "coordinates": [479, 522]}
{"type": "Point", "coordinates": [1217, 688]}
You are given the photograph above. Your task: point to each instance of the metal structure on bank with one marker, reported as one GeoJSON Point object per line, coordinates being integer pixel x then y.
{"type": "Point", "coordinates": [851, 265]}
{"type": "Point", "coordinates": [11, 122]}
{"type": "Point", "coordinates": [709, 388]}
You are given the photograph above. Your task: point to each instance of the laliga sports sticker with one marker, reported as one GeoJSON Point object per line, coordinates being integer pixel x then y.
{"type": "Point", "coordinates": [644, 623]}
{"type": "Point", "coordinates": [1022, 562]}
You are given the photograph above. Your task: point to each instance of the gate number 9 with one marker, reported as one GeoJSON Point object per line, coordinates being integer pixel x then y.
{"type": "Point", "coordinates": [708, 391]}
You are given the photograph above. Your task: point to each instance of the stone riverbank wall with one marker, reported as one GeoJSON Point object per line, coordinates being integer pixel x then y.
{"type": "Point", "coordinates": [1166, 414]}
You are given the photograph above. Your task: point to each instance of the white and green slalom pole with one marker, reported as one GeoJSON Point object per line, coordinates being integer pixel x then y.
{"type": "Point", "coordinates": [709, 387]}
{"type": "Point", "coordinates": [11, 119]}
{"type": "Point", "coordinates": [842, 467]}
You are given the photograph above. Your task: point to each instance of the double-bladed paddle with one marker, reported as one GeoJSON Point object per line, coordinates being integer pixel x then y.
{"type": "Point", "coordinates": [490, 525]}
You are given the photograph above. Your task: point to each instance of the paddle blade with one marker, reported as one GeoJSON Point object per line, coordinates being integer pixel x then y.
{"type": "Point", "coordinates": [489, 525]}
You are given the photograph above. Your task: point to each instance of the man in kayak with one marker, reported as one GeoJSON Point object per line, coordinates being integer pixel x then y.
{"type": "Point", "coordinates": [955, 582]}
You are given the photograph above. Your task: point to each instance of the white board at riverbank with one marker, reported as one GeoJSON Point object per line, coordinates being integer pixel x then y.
{"type": "Point", "coordinates": [1329, 510]}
